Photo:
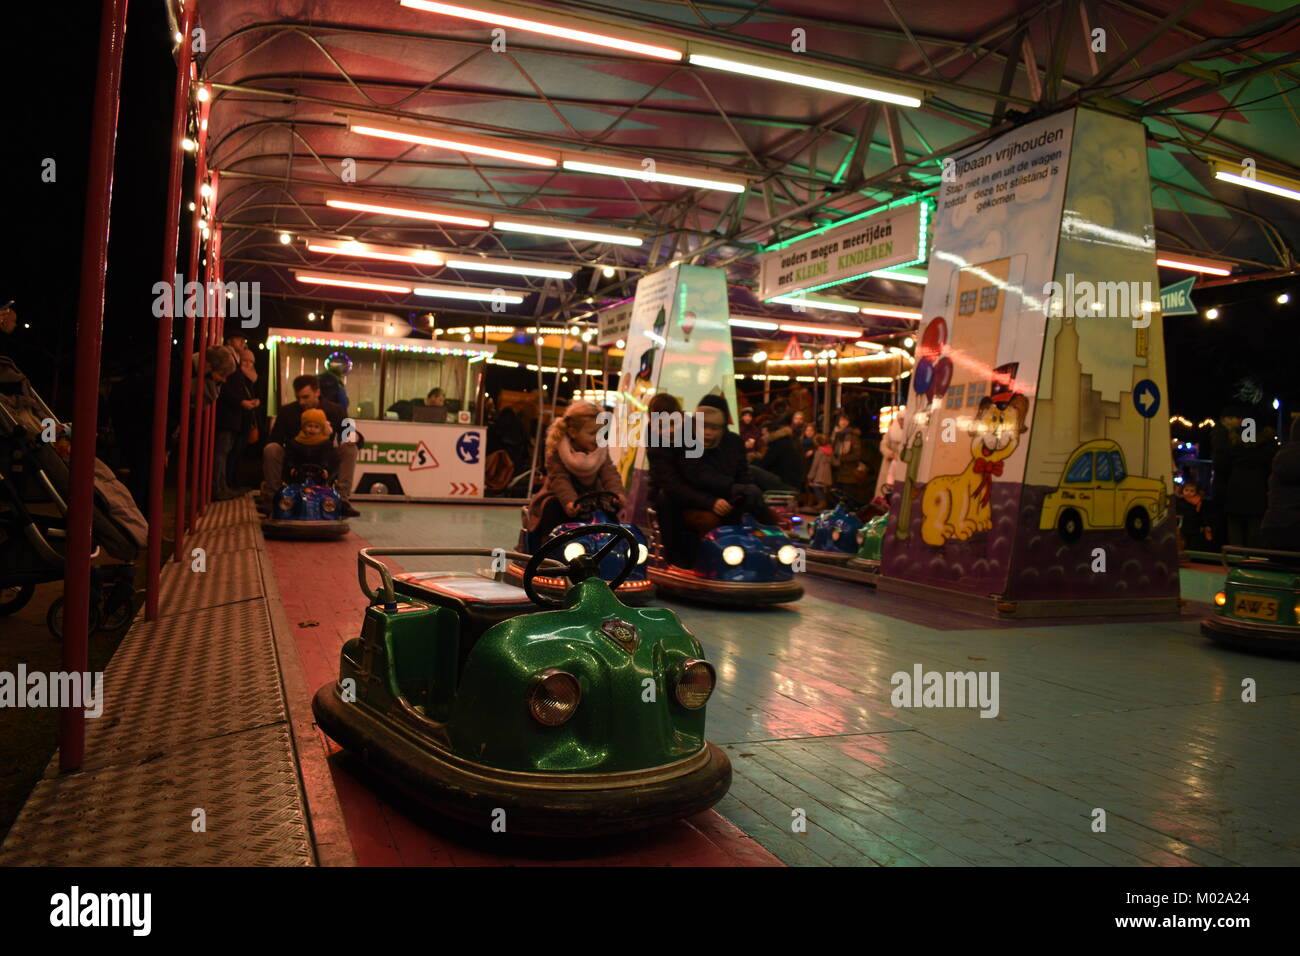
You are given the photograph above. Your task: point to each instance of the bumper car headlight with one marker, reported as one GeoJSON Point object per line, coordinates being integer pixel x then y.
{"type": "Point", "coordinates": [328, 504]}
{"type": "Point", "coordinates": [574, 550]}
{"type": "Point", "coordinates": [835, 535]}
{"type": "Point", "coordinates": [787, 554]}
{"type": "Point", "coordinates": [285, 503]}
{"type": "Point", "coordinates": [1220, 599]}
{"type": "Point", "coordinates": [696, 684]}
{"type": "Point", "coordinates": [862, 536]}
{"type": "Point", "coordinates": [733, 554]}
{"type": "Point", "coordinates": [554, 697]}
{"type": "Point", "coordinates": [642, 554]}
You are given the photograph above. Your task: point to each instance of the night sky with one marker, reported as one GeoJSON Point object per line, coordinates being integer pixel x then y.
{"type": "Point", "coordinates": [51, 94]}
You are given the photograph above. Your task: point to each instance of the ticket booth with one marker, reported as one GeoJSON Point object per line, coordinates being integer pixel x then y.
{"type": "Point", "coordinates": [413, 447]}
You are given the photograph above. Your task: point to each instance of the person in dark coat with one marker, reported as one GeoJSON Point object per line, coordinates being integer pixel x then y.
{"type": "Point", "coordinates": [1248, 486]}
{"type": "Point", "coordinates": [782, 456]}
{"type": "Point", "coordinates": [716, 487]}
{"type": "Point", "coordinates": [751, 433]}
{"type": "Point", "coordinates": [1280, 525]}
{"type": "Point", "coordinates": [507, 433]}
{"type": "Point", "coordinates": [1223, 440]}
{"type": "Point", "coordinates": [846, 452]}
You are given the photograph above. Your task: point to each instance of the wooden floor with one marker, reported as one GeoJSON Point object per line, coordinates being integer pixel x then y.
{"type": "Point", "coordinates": [1140, 719]}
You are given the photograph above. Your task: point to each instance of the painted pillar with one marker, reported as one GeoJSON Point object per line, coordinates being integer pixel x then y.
{"type": "Point", "coordinates": [679, 342]}
{"type": "Point", "coordinates": [1037, 437]}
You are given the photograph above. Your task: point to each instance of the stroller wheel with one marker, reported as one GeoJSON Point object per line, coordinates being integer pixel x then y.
{"type": "Point", "coordinates": [54, 618]}
{"type": "Point", "coordinates": [15, 597]}
{"type": "Point", "coordinates": [120, 615]}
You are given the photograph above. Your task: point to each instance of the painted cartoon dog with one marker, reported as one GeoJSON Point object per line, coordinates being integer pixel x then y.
{"type": "Point", "coordinates": [957, 506]}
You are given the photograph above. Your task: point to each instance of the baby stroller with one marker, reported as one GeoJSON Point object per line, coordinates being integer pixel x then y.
{"type": "Point", "coordinates": [33, 542]}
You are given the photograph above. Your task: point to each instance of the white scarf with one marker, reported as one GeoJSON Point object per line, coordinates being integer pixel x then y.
{"type": "Point", "coordinates": [583, 464]}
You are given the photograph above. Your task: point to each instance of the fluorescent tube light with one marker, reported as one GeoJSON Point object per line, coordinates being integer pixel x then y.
{"type": "Point", "coordinates": [567, 232]}
{"type": "Point", "coordinates": [507, 267]}
{"type": "Point", "coordinates": [746, 64]}
{"type": "Point", "coordinates": [367, 250]}
{"type": "Point", "coordinates": [472, 295]}
{"type": "Point", "coordinates": [347, 282]}
{"type": "Point", "coordinates": [408, 212]}
{"type": "Point", "coordinates": [559, 26]}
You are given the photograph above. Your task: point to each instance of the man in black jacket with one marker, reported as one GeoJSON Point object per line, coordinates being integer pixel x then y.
{"type": "Point", "coordinates": [716, 487]}
{"type": "Point", "coordinates": [288, 422]}
{"type": "Point", "coordinates": [1280, 527]}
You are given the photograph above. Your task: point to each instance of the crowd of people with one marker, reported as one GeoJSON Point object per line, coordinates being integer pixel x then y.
{"type": "Point", "coordinates": [692, 493]}
{"type": "Point", "coordinates": [787, 452]}
{"type": "Point", "coordinates": [1253, 496]}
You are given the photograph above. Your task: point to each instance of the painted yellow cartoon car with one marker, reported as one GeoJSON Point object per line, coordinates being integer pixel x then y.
{"type": "Point", "coordinates": [1097, 493]}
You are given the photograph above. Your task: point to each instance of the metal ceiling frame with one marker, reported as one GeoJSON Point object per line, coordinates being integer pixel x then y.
{"type": "Point", "coordinates": [780, 180]}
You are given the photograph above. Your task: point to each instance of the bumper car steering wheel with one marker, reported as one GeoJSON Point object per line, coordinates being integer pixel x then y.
{"type": "Point", "coordinates": [590, 502]}
{"type": "Point", "coordinates": [582, 566]}
{"type": "Point", "coordinates": [310, 474]}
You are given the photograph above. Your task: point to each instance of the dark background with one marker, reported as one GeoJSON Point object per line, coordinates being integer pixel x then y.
{"type": "Point", "coordinates": [49, 75]}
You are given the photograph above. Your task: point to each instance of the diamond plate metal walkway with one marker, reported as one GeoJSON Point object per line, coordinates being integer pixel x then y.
{"type": "Point", "coordinates": [193, 761]}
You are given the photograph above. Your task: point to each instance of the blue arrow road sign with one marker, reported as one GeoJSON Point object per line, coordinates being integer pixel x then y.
{"type": "Point", "coordinates": [1146, 398]}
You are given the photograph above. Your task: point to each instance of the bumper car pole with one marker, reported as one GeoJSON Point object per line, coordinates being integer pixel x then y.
{"type": "Point", "coordinates": [90, 334]}
{"type": "Point", "coordinates": [163, 347]}
{"type": "Point", "coordinates": [184, 505]}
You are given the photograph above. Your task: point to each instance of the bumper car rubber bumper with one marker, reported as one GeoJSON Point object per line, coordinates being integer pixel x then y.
{"type": "Point", "coordinates": [675, 583]}
{"type": "Point", "coordinates": [304, 530]}
{"type": "Point", "coordinates": [831, 557]}
{"type": "Point", "coordinates": [631, 593]}
{"type": "Point", "coordinates": [539, 805]}
{"type": "Point", "coordinates": [1262, 638]}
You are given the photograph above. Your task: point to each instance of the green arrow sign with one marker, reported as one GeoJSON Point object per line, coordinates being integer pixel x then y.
{"type": "Point", "coordinates": [1176, 299]}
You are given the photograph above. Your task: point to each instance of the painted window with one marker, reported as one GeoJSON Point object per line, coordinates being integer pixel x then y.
{"type": "Point", "coordinates": [954, 396]}
{"type": "Point", "coordinates": [966, 304]}
{"type": "Point", "coordinates": [1080, 468]}
{"type": "Point", "coordinates": [1117, 465]}
{"type": "Point", "coordinates": [976, 391]}
{"type": "Point", "coordinates": [988, 298]}
{"type": "Point", "coordinates": [1103, 466]}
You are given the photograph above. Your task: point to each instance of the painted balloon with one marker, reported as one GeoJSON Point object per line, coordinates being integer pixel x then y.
{"type": "Point", "coordinates": [688, 323]}
{"type": "Point", "coordinates": [934, 338]}
{"type": "Point", "coordinates": [942, 377]}
{"type": "Point", "coordinates": [922, 377]}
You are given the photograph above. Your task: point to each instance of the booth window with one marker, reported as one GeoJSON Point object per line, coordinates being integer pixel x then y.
{"type": "Point", "coordinates": [361, 382]}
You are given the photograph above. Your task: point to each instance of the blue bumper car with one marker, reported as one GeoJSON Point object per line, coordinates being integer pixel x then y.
{"type": "Point", "coordinates": [306, 508]}
{"type": "Point", "coordinates": [598, 507]}
{"type": "Point", "coordinates": [837, 534]}
{"type": "Point", "coordinates": [735, 565]}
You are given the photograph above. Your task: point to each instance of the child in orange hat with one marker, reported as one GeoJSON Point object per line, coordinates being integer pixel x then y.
{"type": "Point", "coordinates": [312, 445]}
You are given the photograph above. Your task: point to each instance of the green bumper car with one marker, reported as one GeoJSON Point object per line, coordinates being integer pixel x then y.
{"type": "Point", "coordinates": [582, 716]}
{"type": "Point", "coordinates": [1259, 606]}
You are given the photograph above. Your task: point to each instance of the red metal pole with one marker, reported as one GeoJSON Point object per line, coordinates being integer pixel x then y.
{"type": "Point", "coordinates": [184, 514]}
{"type": "Point", "coordinates": [163, 349]}
{"type": "Point", "coordinates": [90, 334]}
{"type": "Point", "coordinates": [200, 403]}
{"type": "Point", "coordinates": [214, 337]}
